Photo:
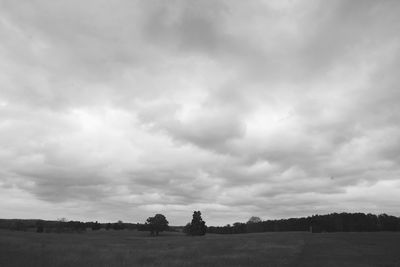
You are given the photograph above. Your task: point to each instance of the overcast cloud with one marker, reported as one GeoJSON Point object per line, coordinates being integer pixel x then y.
{"type": "Point", "coordinates": [117, 110]}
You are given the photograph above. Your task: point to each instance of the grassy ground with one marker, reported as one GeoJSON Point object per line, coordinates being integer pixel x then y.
{"type": "Point", "coordinates": [131, 248]}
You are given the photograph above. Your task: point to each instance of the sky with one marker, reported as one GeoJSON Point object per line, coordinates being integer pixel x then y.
{"type": "Point", "coordinates": [118, 110]}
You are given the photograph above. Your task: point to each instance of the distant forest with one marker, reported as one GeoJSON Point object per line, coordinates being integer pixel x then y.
{"type": "Point", "coordinates": [64, 226]}
{"type": "Point", "coordinates": [335, 222]}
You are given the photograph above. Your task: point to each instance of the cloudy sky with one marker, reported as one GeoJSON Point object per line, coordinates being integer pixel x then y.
{"type": "Point", "coordinates": [117, 110]}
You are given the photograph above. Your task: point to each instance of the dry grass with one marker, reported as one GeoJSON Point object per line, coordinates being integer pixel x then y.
{"type": "Point", "coordinates": [131, 248]}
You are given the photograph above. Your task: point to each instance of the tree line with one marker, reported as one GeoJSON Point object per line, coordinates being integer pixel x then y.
{"type": "Point", "coordinates": [154, 225]}
{"type": "Point", "coordinates": [334, 222]}
{"type": "Point", "coordinates": [62, 226]}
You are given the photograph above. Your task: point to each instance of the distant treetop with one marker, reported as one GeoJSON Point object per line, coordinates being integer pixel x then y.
{"type": "Point", "coordinates": [254, 219]}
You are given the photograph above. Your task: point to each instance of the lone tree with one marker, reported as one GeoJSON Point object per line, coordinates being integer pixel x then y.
{"type": "Point", "coordinates": [157, 224]}
{"type": "Point", "coordinates": [197, 226]}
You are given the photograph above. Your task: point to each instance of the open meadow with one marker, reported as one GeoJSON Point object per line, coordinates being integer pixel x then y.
{"type": "Point", "coordinates": [132, 248]}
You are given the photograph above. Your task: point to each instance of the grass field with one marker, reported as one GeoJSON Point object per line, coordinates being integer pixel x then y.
{"type": "Point", "coordinates": [132, 248]}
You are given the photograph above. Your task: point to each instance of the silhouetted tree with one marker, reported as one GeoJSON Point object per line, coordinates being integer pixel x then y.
{"type": "Point", "coordinates": [254, 219]}
{"type": "Point", "coordinates": [197, 226]}
{"type": "Point", "coordinates": [157, 224]}
{"type": "Point", "coordinates": [108, 226]}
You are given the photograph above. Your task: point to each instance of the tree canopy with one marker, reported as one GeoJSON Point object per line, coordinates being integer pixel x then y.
{"type": "Point", "coordinates": [157, 224]}
{"type": "Point", "coordinates": [197, 226]}
{"type": "Point", "coordinates": [254, 219]}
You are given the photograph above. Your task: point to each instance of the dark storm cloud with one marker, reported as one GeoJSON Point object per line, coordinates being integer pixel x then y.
{"type": "Point", "coordinates": [272, 108]}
